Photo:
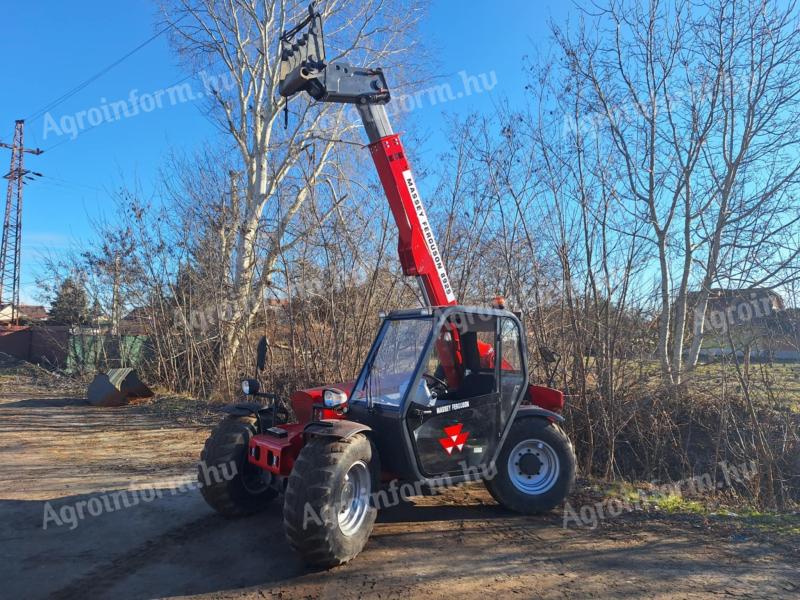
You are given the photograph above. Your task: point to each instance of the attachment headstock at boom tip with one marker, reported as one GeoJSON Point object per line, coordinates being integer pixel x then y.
{"type": "Point", "coordinates": [303, 68]}
{"type": "Point", "coordinates": [301, 54]}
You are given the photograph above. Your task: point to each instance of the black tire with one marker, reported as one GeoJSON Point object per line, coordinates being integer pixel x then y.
{"type": "Point", "coordinates": [313, 499]}
{"type": "Point", "coordinates": [244, 493]}
{"type": "Point", "coordinates": [548, 482]}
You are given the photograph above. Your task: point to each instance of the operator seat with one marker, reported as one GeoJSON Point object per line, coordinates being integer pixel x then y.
{"type": "Point", "coordinates": [475, 382]}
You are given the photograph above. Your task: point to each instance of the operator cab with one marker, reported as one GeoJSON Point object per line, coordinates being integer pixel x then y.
{"type": "Point", "coordinates": [445, 382]}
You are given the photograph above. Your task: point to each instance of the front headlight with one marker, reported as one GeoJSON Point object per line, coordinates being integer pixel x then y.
{"type": "Point", "coordinates": [250, 387]}
{"type": "Point", "coordinates": [333, 398]}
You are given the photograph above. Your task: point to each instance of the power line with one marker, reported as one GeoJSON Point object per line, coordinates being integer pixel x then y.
{"type": "Point", "coordinates": [59, 182]}
{"type": "Point", "coordinates": [70, 93]}
{"type": "Point", "coordinates": [68, 139]}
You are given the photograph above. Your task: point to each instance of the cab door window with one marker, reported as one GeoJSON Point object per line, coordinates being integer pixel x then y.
{"type": "Point", "coordinates": [512, 371]}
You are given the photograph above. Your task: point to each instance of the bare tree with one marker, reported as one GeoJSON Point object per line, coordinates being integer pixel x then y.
{"type": "Point", "coordinates": [698, 102]}
{"type": "Point", "coordinates": [277, 171]}
{"type": "Point", "coordinates": [749, 222]}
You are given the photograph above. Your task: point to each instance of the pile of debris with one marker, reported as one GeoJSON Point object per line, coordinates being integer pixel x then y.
{"type": "Point", "coordinates": [17, 374]}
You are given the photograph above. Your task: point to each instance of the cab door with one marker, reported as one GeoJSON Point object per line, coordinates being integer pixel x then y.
{"type": "Point", "coordinates": [457, 437]}
{"type": "Point", "coordinates": [458, 431]}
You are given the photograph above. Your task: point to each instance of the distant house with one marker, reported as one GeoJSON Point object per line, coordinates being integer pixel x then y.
{"type": "Point", "coordinates": [276, 303]}
{"type": "Point", "coordinates": [783, 335]}
{"type": "Point", "coordinates": [27, 313]}
{"type": "Point", "coordinates": [136, 322]}
{"type": "Point", "coordinates": [755, 319]}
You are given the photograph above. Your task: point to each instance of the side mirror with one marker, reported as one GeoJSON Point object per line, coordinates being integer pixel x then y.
{"type": "Point", "coordinates": [552, 360]}
{"type": "Point", "coordinates": [250, 387]}
{"type": "Point", "coordinates": [261, 353]}
{"type": "Point", "coordinates": [548, 356]}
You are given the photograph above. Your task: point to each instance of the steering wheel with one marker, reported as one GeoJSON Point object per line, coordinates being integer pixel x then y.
{"type": "Point", "coordinates": [439, 383]}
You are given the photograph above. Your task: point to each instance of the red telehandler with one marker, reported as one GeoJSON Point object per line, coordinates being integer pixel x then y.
{"type": "Point", "coordinates": [442, 397]}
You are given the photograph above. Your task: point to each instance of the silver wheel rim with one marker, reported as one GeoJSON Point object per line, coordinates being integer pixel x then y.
{"type": "Point", "coordinates": [533, 467]}
{"type": "Point", "coordinates": [354, 498]}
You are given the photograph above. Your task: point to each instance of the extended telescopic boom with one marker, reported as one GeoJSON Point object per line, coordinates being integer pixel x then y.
{"type": "Point", "coordinates": [303, 68]}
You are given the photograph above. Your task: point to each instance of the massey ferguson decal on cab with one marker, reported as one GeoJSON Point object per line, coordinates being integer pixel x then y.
{"type": "Point", "coordinates": [453, 438]}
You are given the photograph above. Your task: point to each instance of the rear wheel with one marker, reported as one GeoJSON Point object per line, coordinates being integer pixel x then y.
{"type": "Point", "coordinates": [535, 468]}
{"type": "Point", "coordinates": [229, 483]}
{"type": "Point", "coordinates": [328, 511]}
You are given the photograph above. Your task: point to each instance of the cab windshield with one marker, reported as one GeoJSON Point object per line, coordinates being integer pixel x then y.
{"type": "Point", "coordinates": [385, 378]}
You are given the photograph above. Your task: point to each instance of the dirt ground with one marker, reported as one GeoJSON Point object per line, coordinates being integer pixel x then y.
{"type": "Point", "coordinates": [56, 451]}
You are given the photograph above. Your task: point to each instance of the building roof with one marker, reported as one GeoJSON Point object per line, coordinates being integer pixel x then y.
{"type": "Point", "coordinates": [34, 312]}
{"type": "Point", "coordinates": [28, 312]}
{"type": "Point", "coordinates": [723, 297]}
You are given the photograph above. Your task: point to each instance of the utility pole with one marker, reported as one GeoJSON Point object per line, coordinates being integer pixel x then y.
{"type": "Point", "coordinates": [12, 224]}
{"type": "Point", "coordinates": [115, 316]}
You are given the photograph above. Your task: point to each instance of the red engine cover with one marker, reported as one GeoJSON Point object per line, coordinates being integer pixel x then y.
{"type": "Point", "coordinates": [545, 397]}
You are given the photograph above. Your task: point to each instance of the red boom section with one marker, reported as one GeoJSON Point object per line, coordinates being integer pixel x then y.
{"type": "Point", "coordinates": [419, 254]}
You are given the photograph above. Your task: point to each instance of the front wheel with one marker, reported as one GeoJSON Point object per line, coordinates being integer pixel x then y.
{"type": "Point", "coordinates": [535, 468]}
{"type": "Point", "coordinates": [229, 483]}
{"type": "Point", "coordinates": [328, 509]}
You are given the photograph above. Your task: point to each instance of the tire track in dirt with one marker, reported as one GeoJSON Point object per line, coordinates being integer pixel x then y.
{"type": "Point", "coordinates": [105, 576]}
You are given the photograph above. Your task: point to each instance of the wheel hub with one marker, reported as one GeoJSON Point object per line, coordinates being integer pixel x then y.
{"type": "Point", "coordinates": [533, 467]}
{"type": "Point", "coordinates": [255, 479]}
{"type": "Point", "coordinates": [530, 464]}
{"type": "Point", "coordinates": [348, 494]}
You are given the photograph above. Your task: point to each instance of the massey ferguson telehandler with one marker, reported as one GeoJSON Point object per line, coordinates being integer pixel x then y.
{"type": "Point", "coordinates": [442, 398]}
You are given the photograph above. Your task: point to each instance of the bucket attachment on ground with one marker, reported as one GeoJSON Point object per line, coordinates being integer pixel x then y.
{"type": "Point", "coordinates": [117, 387]}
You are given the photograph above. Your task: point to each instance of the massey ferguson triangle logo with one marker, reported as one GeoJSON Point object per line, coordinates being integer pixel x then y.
{"type": "Point", "coordinates": [454, 439]}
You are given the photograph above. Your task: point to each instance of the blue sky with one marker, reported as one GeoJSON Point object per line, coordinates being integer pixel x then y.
{"type": "Point", "coordinates": [48, 47]}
